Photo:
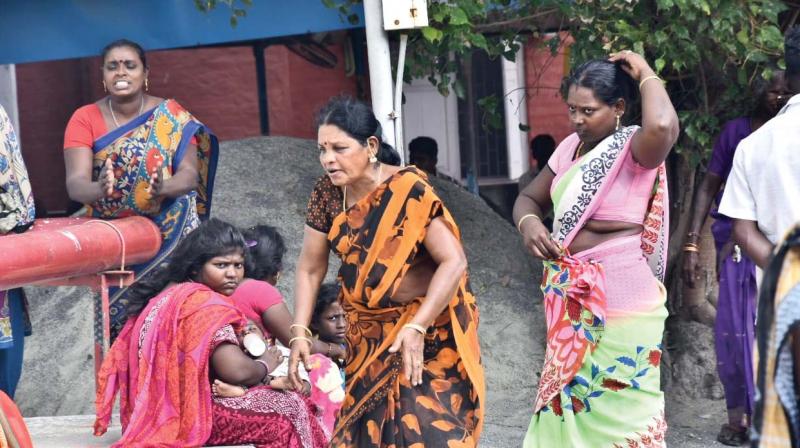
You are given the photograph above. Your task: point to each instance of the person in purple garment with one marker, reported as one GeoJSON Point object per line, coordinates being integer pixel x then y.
{"type": "Point", "coordinates": [735, 319]}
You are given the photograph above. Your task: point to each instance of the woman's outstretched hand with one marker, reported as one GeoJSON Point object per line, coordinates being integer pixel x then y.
{"type": "Point", "coordinates": [538, 241]}
{"type": "Point", "coordinates": [410, 343]}
{"type": "Point", "coordinates": [106, 179]}
{"type": "Point", "coordinates": [300, 352]}
{"type": "Point", "coordinates": [157, 182]}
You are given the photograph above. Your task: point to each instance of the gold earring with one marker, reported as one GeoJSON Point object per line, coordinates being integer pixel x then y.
{"type": "Point", "coordinates": [617, 122]}
{"type": "Point", "coordinates": [105, 89]}
{"type": "Point", "coordinates": [146, 87]}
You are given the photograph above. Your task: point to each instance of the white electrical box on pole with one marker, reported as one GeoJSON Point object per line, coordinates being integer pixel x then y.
{"type": "Point", "coordinates": [405, 14]}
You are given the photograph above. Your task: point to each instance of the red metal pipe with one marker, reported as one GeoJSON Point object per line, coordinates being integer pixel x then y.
{"type": "Point", "coordinates": [71, 247]}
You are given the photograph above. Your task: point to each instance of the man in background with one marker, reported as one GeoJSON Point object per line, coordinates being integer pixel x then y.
{"type": "Point", "coordinates": [423, 152]}
{"type": "Point", "coordinates": [542, 147]}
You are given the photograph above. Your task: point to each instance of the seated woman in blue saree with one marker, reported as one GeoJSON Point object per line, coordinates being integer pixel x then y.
{"type": "Point", "coordinates": [131, 153]}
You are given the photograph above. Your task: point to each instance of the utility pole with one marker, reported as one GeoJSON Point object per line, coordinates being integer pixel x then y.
{"type": "Point", "coordinates": [400, 15]}
{"type": "Point", "coordinates": [380, 68]}
{"type": "Point", "coordinates": [8, 94]}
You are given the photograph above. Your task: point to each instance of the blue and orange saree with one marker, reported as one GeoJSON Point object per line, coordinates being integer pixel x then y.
{"type": "Point", "coordinates": [162, 135]}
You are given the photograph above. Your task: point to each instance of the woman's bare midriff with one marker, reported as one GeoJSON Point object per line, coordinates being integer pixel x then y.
{"type": "Point", "coordinates": [416, 281]}
{"type": "Point", "coordinates": [595, 232]}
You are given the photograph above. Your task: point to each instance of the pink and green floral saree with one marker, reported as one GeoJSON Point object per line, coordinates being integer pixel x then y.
{"type": "Point", "coordinates": [600, 384]}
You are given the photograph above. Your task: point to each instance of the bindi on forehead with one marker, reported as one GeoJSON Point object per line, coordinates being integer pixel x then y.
{"type": "Point", "coordinates": [327, 143]}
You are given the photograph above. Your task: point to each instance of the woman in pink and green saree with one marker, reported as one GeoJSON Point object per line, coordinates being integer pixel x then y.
{"type": "Point", "coordinates": [604, 261]}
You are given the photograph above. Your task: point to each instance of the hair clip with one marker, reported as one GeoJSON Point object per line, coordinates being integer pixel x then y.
{"type": "Point", "coordinates": [251, 243]}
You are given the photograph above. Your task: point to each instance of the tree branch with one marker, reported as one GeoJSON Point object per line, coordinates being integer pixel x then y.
{"type": "Point", "coordinates": [491, 27]}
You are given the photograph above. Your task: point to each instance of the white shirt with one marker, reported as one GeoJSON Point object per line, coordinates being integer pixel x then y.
{"type": "Point", "coordinates": [764, 184]}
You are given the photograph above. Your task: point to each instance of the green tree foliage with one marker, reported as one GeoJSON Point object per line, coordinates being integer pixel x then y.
{"type": "Point", "coordinates": [711, 52]}
{"type": "Point", "coordinates": [237, 7]}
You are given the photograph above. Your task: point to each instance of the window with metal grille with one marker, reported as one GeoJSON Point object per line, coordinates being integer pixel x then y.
{"type": "Point", "coordinates": [483, 148]}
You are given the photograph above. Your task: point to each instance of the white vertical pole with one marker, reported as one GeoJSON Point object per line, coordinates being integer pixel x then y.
{"type": "Point", "coordinates": [380, 68]}
{"type": "Point", "coordinates": [516, 112]}
{"type": "Point", "coordinates": [398, 98]}
{"type": "Point", "coordinates": [8, 94]}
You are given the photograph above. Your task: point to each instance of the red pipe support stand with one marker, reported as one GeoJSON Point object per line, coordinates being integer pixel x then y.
{"type": "Point", "coordinates": [79, 252]}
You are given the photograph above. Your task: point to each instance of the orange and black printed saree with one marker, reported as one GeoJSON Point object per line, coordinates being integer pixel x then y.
{"type": "Point", "coordinates": [378, 239]}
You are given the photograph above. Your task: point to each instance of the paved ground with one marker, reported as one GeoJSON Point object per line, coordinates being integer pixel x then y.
{"type": "Point", "coordinates": [72, 431]}
{"type": "Point", "coordinates": [693, 429]}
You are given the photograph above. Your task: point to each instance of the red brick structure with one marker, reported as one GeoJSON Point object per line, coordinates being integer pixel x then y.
{"type": "Point", "coordinates": [218, 85]}
{"type": "Point", "coordinates": [547, 113]}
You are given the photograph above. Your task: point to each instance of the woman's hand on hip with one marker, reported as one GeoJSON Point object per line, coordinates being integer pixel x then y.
{"type": "Point", "coordinates": [538, 241]}
{"type": "Point", "coordinates": [300, 352]}
{"type": "Point", "coordinates": [410, 343]}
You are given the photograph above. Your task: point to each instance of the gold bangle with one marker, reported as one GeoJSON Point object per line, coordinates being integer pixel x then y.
{"type": "Point", "coordinates": [308, 332]}
{"type": "Point", "coordinates": [416, 327]}
{"type": "Point", "coordinates": [301, 338]}
{"type": "Point", "coordinates": [690, 249]}
{"type": "Point", "coordinates": [647, 78]}
{"type": "Point", "coordinates": [529, 215]}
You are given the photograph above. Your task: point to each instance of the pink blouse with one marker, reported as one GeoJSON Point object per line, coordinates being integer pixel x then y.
{"type": "Point", "coordinates": [253, 297]}
{"type": "Point", "coordinates": [629, 195]}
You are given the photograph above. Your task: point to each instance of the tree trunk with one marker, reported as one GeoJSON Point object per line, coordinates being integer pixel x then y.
{"type": "Point", "coordinates": [689, 357]}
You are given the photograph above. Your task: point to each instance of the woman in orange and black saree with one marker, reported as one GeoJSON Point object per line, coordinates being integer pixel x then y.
{"type": "Point", "coordinates": [131, 153]}
{"type": "Point", "coordinates": [413, 369]}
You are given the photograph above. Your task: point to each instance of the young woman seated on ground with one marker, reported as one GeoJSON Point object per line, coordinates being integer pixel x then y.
{"type": "Point", "coordinates": [184, 312]}
{"type": "Point", "coordinates": [262, 303]}
{"type": "Point", "coordinates": [259, 299]}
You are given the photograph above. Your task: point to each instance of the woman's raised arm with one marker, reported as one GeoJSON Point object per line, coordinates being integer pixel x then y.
{"type": "Point", "coordinates": [660, 129]}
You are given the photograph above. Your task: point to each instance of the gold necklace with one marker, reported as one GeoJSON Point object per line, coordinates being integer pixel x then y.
{"type": "Point", "coordinates": [344, 189]}
{"type": "Point", "coordinates": [111, 109]}
{"type": "Point", "coordinates": [578, 152]}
